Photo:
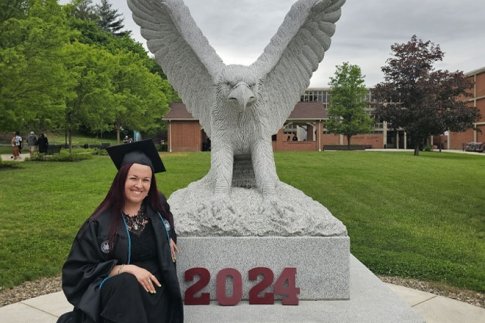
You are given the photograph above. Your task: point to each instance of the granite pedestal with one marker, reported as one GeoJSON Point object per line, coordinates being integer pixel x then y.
{"type": "Point", "coordinates": [322, 263]}
{"type": "Point", "coordinates": [371, 301]}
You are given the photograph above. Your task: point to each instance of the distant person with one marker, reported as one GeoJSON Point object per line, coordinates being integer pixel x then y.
{"type": "Point", "coordinates": [127, 140]}
{"type": "Point", "coordinates": [19, 141]}
{"type": "Point", "coordinates": [32, 141]}
{"type": "Point", "coordinates": [43, 143]}
{"type": "Point", "coordinates": [16, 142]}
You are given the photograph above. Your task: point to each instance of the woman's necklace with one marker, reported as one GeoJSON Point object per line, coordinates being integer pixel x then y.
{"type": "Point", "coordinates": [136, 223]}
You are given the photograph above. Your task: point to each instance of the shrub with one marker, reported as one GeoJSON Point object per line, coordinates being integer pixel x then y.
{"type": "Point", "coordinates": [63, 156]}
{"type": "Point", "coordinates": [100, 151]}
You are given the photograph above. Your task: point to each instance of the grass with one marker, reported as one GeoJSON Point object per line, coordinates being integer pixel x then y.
{"type": "Point", "coordinates": [419, 217]}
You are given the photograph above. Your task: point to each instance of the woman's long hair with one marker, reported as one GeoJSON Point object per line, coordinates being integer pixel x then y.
{"type": "Point", "coordinates": [115, 201]}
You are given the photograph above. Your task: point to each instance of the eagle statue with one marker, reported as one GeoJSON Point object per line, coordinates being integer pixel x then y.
{"type": "Point", "coordinates": [239, 107]}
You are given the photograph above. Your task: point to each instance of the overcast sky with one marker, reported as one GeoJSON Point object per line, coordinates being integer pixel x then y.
{"type": "Point", "coordinates": [240, 29]}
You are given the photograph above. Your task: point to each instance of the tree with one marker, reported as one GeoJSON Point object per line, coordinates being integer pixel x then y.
{"type": "Point", "coordinates": [82, 9]}
{"type": "Point", "coordinates": [13, 9]}
{"type": "Point", "coordinates": [34, 83]}
{"type": "Point", "coordinates": [113, 91]}
{"type": "Point", "coordinates": [419, 99]}
{"type": "Point", "coordinates": [60, 70]}
{"type": "Point", "coordinates": [109, 19]}
{"type": "Point", "coordinates": [140, 100]}
{"type": "Point", "coordinates": [91, 68]}
{"type": "Point", "coordinates": [347, 108]}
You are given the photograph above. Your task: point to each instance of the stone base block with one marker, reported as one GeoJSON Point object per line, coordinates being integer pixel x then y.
{"type": "Point", "coordinates": [371, 301]}
{"type": "Point", "coordinates": [322, 263]}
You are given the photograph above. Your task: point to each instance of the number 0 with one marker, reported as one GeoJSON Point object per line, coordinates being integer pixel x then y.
{"type": "Point", "coordinates": [221, 279]}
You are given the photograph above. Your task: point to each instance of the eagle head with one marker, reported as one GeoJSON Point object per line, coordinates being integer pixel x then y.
{"type": "Point", "coordinates": [238, 86]}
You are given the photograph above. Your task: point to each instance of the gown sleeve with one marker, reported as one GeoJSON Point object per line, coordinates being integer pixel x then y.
{"type": "Point", "coordinates": [168, 216]}
{"type": "Point", "coordinates": [84, 270]}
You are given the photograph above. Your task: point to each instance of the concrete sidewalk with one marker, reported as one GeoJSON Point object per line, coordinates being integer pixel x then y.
{"type": "Point", "coordinates": [433, 308]}
{"type": "Point", "coordinates": [9, 157]}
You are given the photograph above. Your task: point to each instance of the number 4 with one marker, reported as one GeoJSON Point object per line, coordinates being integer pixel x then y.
{"type": "Point", "coordinates": [285, 285]}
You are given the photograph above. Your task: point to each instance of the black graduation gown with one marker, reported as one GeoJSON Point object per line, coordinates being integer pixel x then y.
{"type": "Point", "coordinates": [90, 262]}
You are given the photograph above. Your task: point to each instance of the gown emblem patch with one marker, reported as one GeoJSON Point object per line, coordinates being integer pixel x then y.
{"type": "Point", "coordinates": [105, 246]}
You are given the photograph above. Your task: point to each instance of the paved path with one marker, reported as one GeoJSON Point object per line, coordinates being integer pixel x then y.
{"type": "Point", "coordinates": [439, 309]}
{"type": "Point", "coordinates": [9, 157]}
{"type": "Point", "coordinates": [433, 308]}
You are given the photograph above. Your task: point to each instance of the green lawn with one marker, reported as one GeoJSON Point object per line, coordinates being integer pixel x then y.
{"type": "Point", "coordinates": [421, 217]}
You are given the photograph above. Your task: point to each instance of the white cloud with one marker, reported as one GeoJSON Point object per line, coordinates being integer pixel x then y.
{"type": "Point", "coordinates": [240, 29]}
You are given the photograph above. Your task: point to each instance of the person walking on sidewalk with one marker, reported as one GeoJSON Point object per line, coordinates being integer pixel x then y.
{"type": "Point", "coordinates": [32, 141]}
{"type": "Point", "coordinates": [16, 143]}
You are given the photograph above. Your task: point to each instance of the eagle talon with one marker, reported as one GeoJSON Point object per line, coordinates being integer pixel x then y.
{"type": "Point", "coordinates": [219, 205]}
{"type": "Point", "coordinates": [274, 203]}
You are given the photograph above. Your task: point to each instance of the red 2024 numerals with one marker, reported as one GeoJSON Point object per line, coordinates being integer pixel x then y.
{"type": "Point", "coordinates": [284, 286]}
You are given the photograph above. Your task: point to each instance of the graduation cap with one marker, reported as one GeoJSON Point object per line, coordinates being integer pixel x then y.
{"type": "Point", "coordinates": [140, 152]}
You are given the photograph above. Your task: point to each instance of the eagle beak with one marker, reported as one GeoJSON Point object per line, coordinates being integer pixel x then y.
{"type": "Point", "coordinates": [242, 94]}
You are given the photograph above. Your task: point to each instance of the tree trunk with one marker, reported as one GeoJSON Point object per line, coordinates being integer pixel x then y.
{"type": "Point", "coordinates": [69, 134]}
{"type": "Point", "coordinates": [118, 134]}
{"type": "Point", "coordinates": [416, 150]}
{"type": "Point", "coordinates": [348, 142]}
{"type": "Point", "coordinates": [439, 144]}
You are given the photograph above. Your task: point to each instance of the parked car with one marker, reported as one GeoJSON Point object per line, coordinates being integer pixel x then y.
{"type": "Point", "coordinates": [475, 146]}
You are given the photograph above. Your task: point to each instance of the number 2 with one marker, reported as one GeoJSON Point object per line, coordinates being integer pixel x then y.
{"type": "Point", "coordinates": [204, 275]}
{"type": "Point", "coordinates": [266, 281]}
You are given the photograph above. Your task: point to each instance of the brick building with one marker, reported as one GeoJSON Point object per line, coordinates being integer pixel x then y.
{"type": "Point", "coordinates": [303, 131]}
{"type": "Point", "coordinates": [456, 140]}
{"type": "Point", "coordinates": [305, 128]}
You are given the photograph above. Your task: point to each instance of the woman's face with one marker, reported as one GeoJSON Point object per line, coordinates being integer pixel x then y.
{"type": "Point", "coordinates": [137, 183]}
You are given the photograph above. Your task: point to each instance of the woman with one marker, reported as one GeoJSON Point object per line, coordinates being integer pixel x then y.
{"type": "Point", "coordinates": [16, 143]}
{"type": "Point", "coordinates": [121, 267]}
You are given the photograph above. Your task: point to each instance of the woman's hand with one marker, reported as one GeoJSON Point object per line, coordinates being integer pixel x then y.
{"type": "Point", "coordinates": [173, 250]}
{"type": "Point", "coordinates": [146, 279]}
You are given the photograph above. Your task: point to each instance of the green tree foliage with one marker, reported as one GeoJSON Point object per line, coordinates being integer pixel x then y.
{"type": "Point", "coordinates": [113, 91]}
{"type": "Point", "coordinates": [33, 79]}
{"type": "Point", "coordinates": [347, 108]}
{"type": "Point", "coordinates": [91, 70]}
{"type": "Point", "coordinates": [82, 9]}
{"type": "Point", "coordinates": [13, 9]}
{"type": "Point", "coordinates": [139, 95]}
{"type": "Point", "coordinates": [419, 99]}
{"type": "Point", "coordinates": [60, 70]}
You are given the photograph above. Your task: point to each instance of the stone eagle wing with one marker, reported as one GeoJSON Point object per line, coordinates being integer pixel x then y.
{"type": "Point", "coordinates": [183, 52]}
{"type": "Point", "coordinates": [292, 56]}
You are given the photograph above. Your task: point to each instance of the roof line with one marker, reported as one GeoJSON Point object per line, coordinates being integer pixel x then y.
{"type": "Point", "coordinates": [477, 71]}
